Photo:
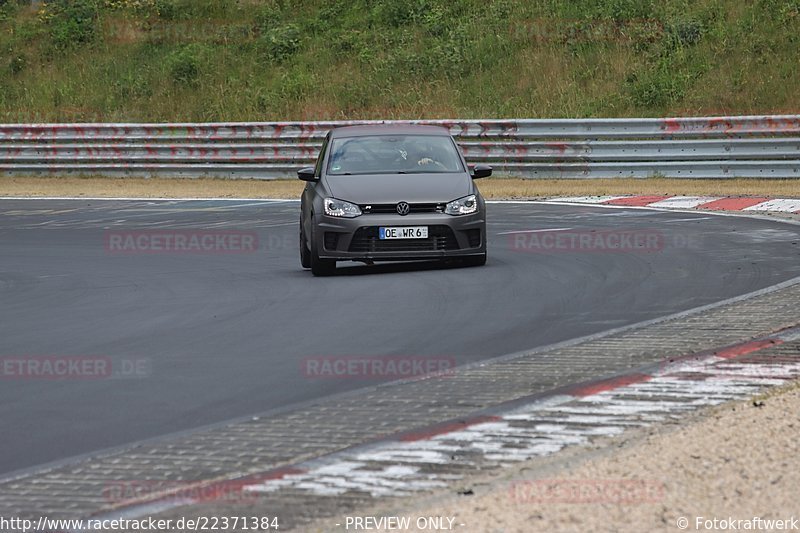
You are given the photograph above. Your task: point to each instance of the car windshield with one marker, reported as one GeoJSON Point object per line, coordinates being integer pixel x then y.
{"type": "Point", "coordinates": [400, 154]}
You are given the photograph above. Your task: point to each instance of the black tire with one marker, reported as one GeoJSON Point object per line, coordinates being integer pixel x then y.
{"type": "Point", "coordinates": [320, 267]}
{"type": "Point", "coordinates": [475, 260]}
{"type": "Point", "coordinates": [305, 254]}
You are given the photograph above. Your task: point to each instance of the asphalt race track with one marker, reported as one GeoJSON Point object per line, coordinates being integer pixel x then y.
{"type": "Point", "coordinates": [200, 338]}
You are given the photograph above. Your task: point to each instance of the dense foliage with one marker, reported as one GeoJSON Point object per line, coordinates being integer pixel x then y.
{"type": "Point", "coordinates": [213, 60]}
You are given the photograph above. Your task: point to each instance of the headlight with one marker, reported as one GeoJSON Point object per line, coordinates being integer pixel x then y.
{"type": "Point", "coordinates": [463, 206]}
{"type": "Point", "coordinates": [340, 208]}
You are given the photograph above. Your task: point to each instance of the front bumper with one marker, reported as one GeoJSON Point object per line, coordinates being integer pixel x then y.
{"type": "Point", "coordinates": [356, 238]}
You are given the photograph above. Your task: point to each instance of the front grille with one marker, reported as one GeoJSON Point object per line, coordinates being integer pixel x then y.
{"type": "Point", "coordinates": [366, 240]}
{"type": "Point", "coordinates": [392, 208]}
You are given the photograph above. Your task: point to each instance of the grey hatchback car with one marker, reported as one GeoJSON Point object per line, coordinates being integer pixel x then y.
{"type": "Point", "coordinates": [391, 193]}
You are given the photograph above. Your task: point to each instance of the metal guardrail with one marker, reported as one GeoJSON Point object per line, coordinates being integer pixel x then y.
{"type": "Point", "coordinates": [703, 147]}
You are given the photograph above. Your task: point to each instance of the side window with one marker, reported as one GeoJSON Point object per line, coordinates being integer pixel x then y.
{"type": "Point", "coordinates": [321, 156]}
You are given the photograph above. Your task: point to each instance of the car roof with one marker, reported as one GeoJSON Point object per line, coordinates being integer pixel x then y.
{"type": "Point", "coordinates": [389, 129]}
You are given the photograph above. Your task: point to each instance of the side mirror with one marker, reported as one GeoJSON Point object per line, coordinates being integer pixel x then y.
{"type": "Point", "coordinates": [480, 171]}
{"type": "Point", "coordinates": [306, 174]}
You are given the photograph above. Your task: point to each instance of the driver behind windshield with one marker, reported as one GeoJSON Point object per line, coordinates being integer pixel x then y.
{"type": "Point", "coordinates": [429, 155]}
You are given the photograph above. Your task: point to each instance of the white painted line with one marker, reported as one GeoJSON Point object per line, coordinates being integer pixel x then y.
{"type": "Point", "coordinates": [685, 219]}
{"type": "Point", "coordinates": [753, 214]}
{"type": "Point", "coordinates": [533, 231]}
{"type": "Point", "coordinates": [779, 204]}
{"type": "Point", "coordinates": [410, 456]}
{"type": "Point", "coordinates": [586, 199]}
{"type": "Point", "coordinates": [343, 476]}
{"type": "Point", "coordinates": [684, 202]}
{"type": "Point", "coordinates": [789, 336]}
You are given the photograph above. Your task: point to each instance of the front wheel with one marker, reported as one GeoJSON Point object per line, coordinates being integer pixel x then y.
{"type": "Point", "coordinates": [305, 254]}
{"type": "Point", "coordinates": [320, 267]}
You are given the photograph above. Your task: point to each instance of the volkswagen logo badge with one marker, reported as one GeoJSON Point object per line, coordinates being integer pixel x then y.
{"type": "Point", "coordinates": [403, 208]}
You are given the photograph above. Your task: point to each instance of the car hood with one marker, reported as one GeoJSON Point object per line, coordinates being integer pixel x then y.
{"type": "Point", "coordinates": [393, 188]}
